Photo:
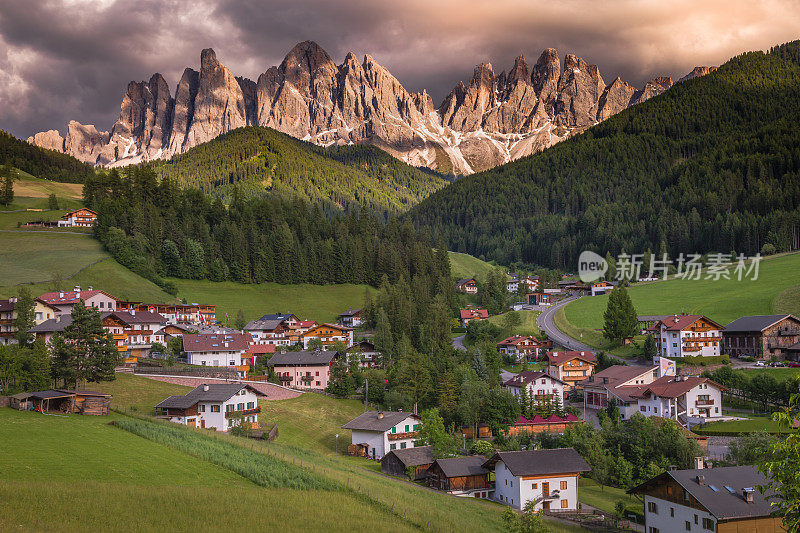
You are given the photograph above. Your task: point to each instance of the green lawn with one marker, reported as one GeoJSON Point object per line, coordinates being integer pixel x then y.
{"type": "Point", "coordinates": [722, 301]}
{"type": "Point", "coordinates": [780, 373]}
{"type": "Point", "coordinates": [39, 256]}
{"type": "Point", "coordinates": [605, 498]}
{"type": "Point", "coordinates": [315, 302]}
{"type": "Point", "coordinates": [752, 424]}
{"type": "Point", "coordinates": [466, 266]}
{"type": "Point", "coordinates": [137, 392]}
{"type": "Point", "coordinates": [528, 326]}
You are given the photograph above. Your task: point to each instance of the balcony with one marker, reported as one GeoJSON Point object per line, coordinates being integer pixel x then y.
{"type": "Point", "coordinates": [704, 402]}
{"type": "Point", "coordinates": [401, 436]}
{"type": "Point", "coordinates": [306, 379]}
{"type": "Point", "coordinates": [245, 412]}
{"type": "Point", "coordinates": [285, 378]}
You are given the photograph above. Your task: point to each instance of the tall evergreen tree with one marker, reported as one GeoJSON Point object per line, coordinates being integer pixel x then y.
{"type": "Point", "coordinates": [26, 317]}
{"type": "Point", "coordinates": [7, 178]}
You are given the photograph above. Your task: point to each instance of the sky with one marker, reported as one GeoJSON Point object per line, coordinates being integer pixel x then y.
{"type": "Point", "coordinates": [72, 59]}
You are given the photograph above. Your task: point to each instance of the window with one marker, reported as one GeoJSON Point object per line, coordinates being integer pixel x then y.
{"type": "Point", "coordinates": [688, 526]}
{"type": "Point", "coordinates": [652, 507]}
{"type": "Point", "coordinates": [317, 374]}
{"type": "Point", "coordinates": [696, 518]}
{"type": "Point", "coordinates": [249, 405]}
{"type": "Point", "coordinates": [229, 408]}
{"type": "Point", "coordinates": [215, 408]}
{"type": "Point", "coordinates": [563, 485]}
{"type": "Point", "coordinates": [201, 408]}
{"type": "Point", "coordinates": [708, 524]}
{"type": "Point", "coordinates": [402, 445]}
{"type": "Point", "coordinates": [533, 486]}
{"type": "Point", "coordinates": [392, 446]}
{"type": "Point", "coordinates": [564, 504]}
{"type": "Point", "coordinates": [653, 530]}
{"type": "Point", "coordinates": [416, 427]}
{"type": "Point", "coordinates": [394, 430]}
{"type": "Point", "coordinates": [406, 428]}
{"type": "Point", "coordinates": [672, 512]}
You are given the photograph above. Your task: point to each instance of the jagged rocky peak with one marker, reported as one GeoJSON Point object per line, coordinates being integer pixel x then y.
{"type": "Point", "coordinates": [490, 119]}
{"type": "Point", "coordinates": [697, 72]}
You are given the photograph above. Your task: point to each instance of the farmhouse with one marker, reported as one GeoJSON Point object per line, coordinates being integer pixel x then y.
{"type": "Point", "coordinates": [522, 347]}
{"type": "Point", "coordinates": [679, 336]}
{"type": "Point", "coordinates": [611, 383]}
{"type": "Point", "coordinates": [48, 328]}
{"type": "Point", "coordinates": [647, 322]}
{"type": "Point", "coordinates": [217, 349]}
{"type": "Point", "coordinates": [134, 331]}
{"type": "Point", "coordinates": [726, 500]}
{"type": "Point", "coordinates": [761, 336]}
{"type": "Point", "coordinates": [468, 315]}
{"type": "Point", "coordinates": [367, 352]}
{"type": "Point", "coordinates": [63, 301]}
{"type": "Point", "coordinates": [540, 388]}
{"type": "Point", "coordinates": [513, 282]}
{"type": "Point", "coordinates": [270, 331]}
{"type": "Point", "coordinates": [309, 369]}
{"type": "Point", "coordinates": [351, 318]}
{"type": "Point", "coordinates": [376, 433]}
{"type": "Point", "coordinates": [398, 462]}
{"type": "Point", "coordinates": [257, 351]}
{"type": "Point", "coordinates": [216, 405]}
{"type": "Point", "coordinates": [8, 315]}
{"type": "Point", "coordinates": [549, 478]}
{"type": "Point", "coordinates": [64, 401]}
{"type": "Point", "coordinates": [80, 218]}
{"type": "Point", "coordinates": [570, 367]}
{"type": "Point", "coordinates": [328, 334]}
{"type": "Point", "coordinates": [467, 286]}
{"type": "Point", "coordinates": [462, 476]}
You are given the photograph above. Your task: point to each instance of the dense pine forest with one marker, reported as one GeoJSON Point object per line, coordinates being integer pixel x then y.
{"type": "Point", "coordinates": [45, 164]}
{"type": "Point", "coordinates": [257, 159]}
{"type": "Point", "coordinates": [157, 230]}
{"type": "Point", "coordinates": [713, 164]}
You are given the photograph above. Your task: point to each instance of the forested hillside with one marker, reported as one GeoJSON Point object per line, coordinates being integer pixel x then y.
{"type": "Point", "coordinates": [259, 159]}
{"type": "Point", "coordinates": [713, 164]}
{"type": "Point", "coordinates": [45, 164]}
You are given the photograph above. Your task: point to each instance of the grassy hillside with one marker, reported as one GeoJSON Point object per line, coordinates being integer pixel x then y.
{"type": "Point", "coordinates": [260, 159]}
{"type": "Point", "coordinates": [722, 301]}
{"type": "Point", "coordinates": [73, 473]}
{"type": "Point", "coordinates": [709, 165]}
{"type": "Point", "coordinates": [467, 266]}
{"type": "Point", "coordinates": [45, 164]}
{"type": "Point", "coordinates": [315, 302]}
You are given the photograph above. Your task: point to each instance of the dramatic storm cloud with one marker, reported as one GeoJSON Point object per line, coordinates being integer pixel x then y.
{"type": "Point", "coordinates": [72, 59]}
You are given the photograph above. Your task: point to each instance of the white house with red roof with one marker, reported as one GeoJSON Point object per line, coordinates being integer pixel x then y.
{"type": "Point", "coordinates": [513, 281]}
{"type": "Point", "coordinates": [468, 315]}
{"type": "Point", "coordinates": [63, 301]}
{"type": "Point", "coordinates": [522, 347]}
{"type": "Point", "coordinates": [679, 336]}
{"type": "Point", "coordinates": [217, 349]}
{"type": "Point", "coordinates": [541, 388]}
{"type": "Point", "coordinates": [80, 218]}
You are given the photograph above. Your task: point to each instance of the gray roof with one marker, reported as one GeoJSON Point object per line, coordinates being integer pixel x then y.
{"type": "Point", "coordinates": [722, 503]}
{"type": "Point", "coordinates": [262, 324]}
{"type": "Point", "coordinates": [304, 357]}
{"type": "Point", "coordinates": [350, 312]}
{"type": "Point", "coordinates": [463, 466]}
{"type": "Point", "coordinates": [540, 462]}
{"type": "Point", "coordinates": [422, 455]}
{"type": "Point", "coordinates": [754, 323]}
{"type": "Point", "coordinates": [369, 421]}
{"type": "Point", "coordinates": [217, 392]}
{"type": "Point", "coordinates": [52, 325]}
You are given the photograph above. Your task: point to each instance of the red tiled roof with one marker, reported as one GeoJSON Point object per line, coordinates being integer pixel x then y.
{"type": "Point", "coordinates": [70, 297]}
{"type": "Point", "coordinates": [7, 305]}
{"type": "Point", "coordinates": [680, 322]}
{"type": "Point", "coordinates": [558, 358]}
{"type": "Point", "coordinates": [207, 342]}
{"type": "Point", "coordinates": [669, 387]}
{"type": "Point", "coordinates": [552, 419]}
{"type": "Point", "coordinates": [516, 339]}
{"type": "Point", "coordinates": [261, 348]}
{"type": "Point", "coordinates": [306, 323]}
{"type": "Point", "coordinates": [474, 313]}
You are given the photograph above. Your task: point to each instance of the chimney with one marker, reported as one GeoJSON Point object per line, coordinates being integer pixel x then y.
{"type": "Point", "coordinates": [77, 288]}
{"type": "Point", "coordinates": [61, 294]}
{"type": "Point", "coordinates": [698, 463]}
{"type": "Point", "coordinates": [701, 480]}
{"type": "Point", "coordinates": [205, 388]}
{"type": "Point", "coordinates": [58, 319]}
{"type": "Point", "coordinates": [132, 312]}
{"type": "Point", "coordinates": [747, 494]}
{"type": "Point", "coordinates": [380, 415]}
{"type": "Point", "coordinates": [12, 300]}
{"type": "Point", "coordinates": [91, 288]}
{"type": "Point", "coordinates": [672, 468]}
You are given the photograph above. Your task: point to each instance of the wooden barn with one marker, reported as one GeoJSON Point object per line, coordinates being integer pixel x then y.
{"type": "Point", "coordinates": [397, 462]}
{"type": "Point", "coordinates": [63, 401]}
{"type": "Point", "coordinates": [463, 476]}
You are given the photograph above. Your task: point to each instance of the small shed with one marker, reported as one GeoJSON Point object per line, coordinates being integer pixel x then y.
{"type": "Point", "coordinates": [64, 401]}
{"type": "Point", "coordinates": [397, 462]}
{"type": "Point", "coordinates": [460, 475]}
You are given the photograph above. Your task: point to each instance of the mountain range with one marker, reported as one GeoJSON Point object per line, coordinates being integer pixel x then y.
{"type": "Point", "coordinates": [490, 120]}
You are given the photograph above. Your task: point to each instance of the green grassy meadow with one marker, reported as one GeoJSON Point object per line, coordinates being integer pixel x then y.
{"type": "Point", "coordinates": [605, 498]}
{"type": "Point", "coordinates": [528, 326]}
{"type": "Point", "coordinates": [466, 266]}
{"type": "Point", "coordinates": [722, 300]}
{"type": "Point", "coordinates": [750, 425]}
{"type": "Point", "coordinates": [315, 302]}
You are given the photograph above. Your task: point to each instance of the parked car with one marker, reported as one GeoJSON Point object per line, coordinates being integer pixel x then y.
{"type": "Point", "coordinates": [760, 363]}
{"type": "Point", "coordinates": [793, 364]}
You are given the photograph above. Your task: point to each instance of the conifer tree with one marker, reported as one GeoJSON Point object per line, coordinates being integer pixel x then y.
{"type": "Point", "coordinates": [26, 317]}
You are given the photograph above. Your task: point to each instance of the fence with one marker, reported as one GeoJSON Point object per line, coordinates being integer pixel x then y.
{"type": "Point", "coordinates": [208, 372]}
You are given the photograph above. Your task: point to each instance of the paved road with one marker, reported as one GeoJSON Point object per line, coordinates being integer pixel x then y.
{"type": "Point", "coordinates": [546, 324]}
{"type": "Point", "coordinates": [458, 343]}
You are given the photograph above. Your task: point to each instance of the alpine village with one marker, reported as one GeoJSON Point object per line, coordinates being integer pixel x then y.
{"type": "Point", "coordinates": [317, 301]}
